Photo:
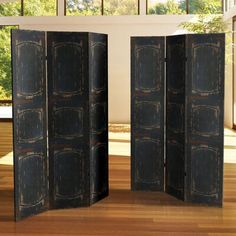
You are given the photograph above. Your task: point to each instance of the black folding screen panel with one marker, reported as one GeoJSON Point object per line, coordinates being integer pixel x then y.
{"type": "Point", "coordinates": [147, 113]}
{"type": "Point", "coordinates": [68, 118]}
{"type": "Point", "coordinates": [194, 115]}
{"type": "Point", "coordinates": [78, 138]}
{"type": "Point", "coordinates": [61, 118]}
{"type": "Point", "coordinates": [98, 122]}
{"type": "Point", "coordinates": [175, 115]}
{"type": "Point", "coordinates": [205, 125]}
{"type": "Point", "coordinates": [70, 167]}
{"type": "Point", "coordinates": [30, 127]}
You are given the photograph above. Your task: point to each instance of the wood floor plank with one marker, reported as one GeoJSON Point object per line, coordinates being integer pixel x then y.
{"type": "Point", "coordinates": [124, 213]}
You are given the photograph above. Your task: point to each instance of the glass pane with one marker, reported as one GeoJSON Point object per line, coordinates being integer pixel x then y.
{"type": "Point", "coordinates": [5, 61]}
{"type": "Point", "coordinates": [120, 7]}
{"type": "Point", "coordinates": [10, 8]}
{"type": "Point", "coordinates": [167, 7]}
{"type": "Point", "coordinates": [205, 6]}
{"type": "Point", "coordinates": [83, 7]}
{"type": "Point", "coordinates": [40, 7]}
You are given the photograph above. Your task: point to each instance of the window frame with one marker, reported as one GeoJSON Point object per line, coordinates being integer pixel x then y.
{"type": "Point", "coordinates": [2, 101]}
{"type": "Point", "coordinates": [23, 7]}
{"type": "Point", "coordinates": [102, 7]}
{"type": "Point", "coordinates": [187, 7]}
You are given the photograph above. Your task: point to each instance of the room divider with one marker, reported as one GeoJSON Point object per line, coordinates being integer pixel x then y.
{"type": "Point", "coordinates": [60, 120]}
{"type": "Point", "coordinates": [147, 113]}
{"type": "Point", "coordinates": [193, 69]}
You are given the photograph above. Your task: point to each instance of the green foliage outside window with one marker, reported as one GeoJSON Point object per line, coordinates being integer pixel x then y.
{"type": "Point", "coordinates": [10, 8]}
{"type": "Point", "coordinates": [40, 7]}
{"type": "Point", "coordinates": [205, 7]}
{"type": "Point", "coordinates": [206, 24]}
{"type": "Point", "coordinates": [5, 62]}
{"type": "Point", "coordinates": [170, 7]}
{"type": "Point", "coordinates": [83, 7]}
{"type": "Point", "coordinates": [31, 8]}
{"type": "Point", "coordinates": [176, 7]}
{"type": "Point", "coordinates": [94, 7]}
{"type": "Point", "coordinates": [120, 7]}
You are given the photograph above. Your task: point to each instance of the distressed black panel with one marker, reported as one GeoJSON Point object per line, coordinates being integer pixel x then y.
{"type": "Point", "coordinates": [98, 112]}
{"type": "Point", "coordinates": [68, 118]}
{"type": "Point", "coordinates": [205, 120]}
{"type": "Point", "coordinates": [31, 165]}
{"type": "Point", "coordinates": [99, 117]}
{"type": "Point", "coordinates": [147, 78]}
{"type": "Point", "coordinates": [99, 179]}
{"type": "Point", "coordinates": [67, 73]}
{"type": "Point", "coordinates": [201, 177]}
{"type": "Point", "coordinates": [175, 169]}
{"type": "Point", "coordinates": [29, 122]}
{"type": "Point", "coordinates": [200, 74]}
{"type": "Point", "coordinates": [27, 70]}
{"type": "Point", "coordinates": [205, 112]}
{"type": "Point", "coordinates": [175, 115]}
{"type": "Point", "coordinates": [175, 121]}
{"type": "Point", "coordinates": [148, 155]}
{"type": "Point", "coordinates": [75, 165]}
{"type": "Point", "coordinates": [68, 122]}
{"type": "Point", "coordinates": [32, 118]}
{"type": "Point", "coordinates": [78, 116]}
{"type": "Point", "coordinates": [98, 62]}
{"type": "Point", "coordinates": [147, 113]}
{"type": "Point", "coordinates": [195, 108]}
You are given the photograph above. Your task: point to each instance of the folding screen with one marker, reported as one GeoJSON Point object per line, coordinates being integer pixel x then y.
{"type": "Point", "coordinates": [147, 113]}
{"type": "Point", "coordinates": [175, 115]}
{"type": "Point", "coordinates": [195, 115]}
{"type": "Point", "coordinates": [77, 97]}
{"type": "Point", "coordinates": [70, 167]}
{"type": "Point", "coordinates": [30, 127]}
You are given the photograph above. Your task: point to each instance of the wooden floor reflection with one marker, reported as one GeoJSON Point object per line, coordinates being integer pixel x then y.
{"type": "Point", "coordinates": [124, 212]}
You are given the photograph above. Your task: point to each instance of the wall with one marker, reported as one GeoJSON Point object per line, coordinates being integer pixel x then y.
{"type": "Point", "coordinates": [229, 70]}
{"type": "Point", "coordinates": [119, 29]}
{"type": "Point", "coordinates": [228, 119]}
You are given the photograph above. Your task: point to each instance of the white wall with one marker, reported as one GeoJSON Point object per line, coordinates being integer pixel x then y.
{"type": "Point", "coordinates": [228, 16]}
{"type": "Point", "coordinates": [228, 119]}
{"type": "Point", "coordinates": [119, 29]}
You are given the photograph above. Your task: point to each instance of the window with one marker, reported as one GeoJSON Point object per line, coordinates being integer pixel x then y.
{"type": "Point", "coordinates": [5, 73]}
{"type": "Point", "coordinates": [176, 7]}
{"type": "Point", "coordinates": [10, 8]}
{"type": "Point", "coordinates": [83, 7]}
{"type": "Point", "coordinates": [121, 7]}
{"type": "Point", "coordinates": [40, 7]}
{"type": "Point", "coordinates": [101, 7]}
{"type": "Point", "coordinates": [205, 7]}
{"type": "Point", "coordinates": [167, 7]}
{"type": "Point", "coordinates": [5, 62]}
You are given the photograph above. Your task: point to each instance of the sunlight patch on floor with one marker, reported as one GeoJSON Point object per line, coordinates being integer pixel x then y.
{"type": "Point", "coordinates": [119, 144]}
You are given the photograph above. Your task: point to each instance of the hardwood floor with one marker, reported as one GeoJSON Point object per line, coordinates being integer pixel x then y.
{"type": "Point", "coordinates": [124, 212]}
{"type": "Point", "coordinates": [5, 138]}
